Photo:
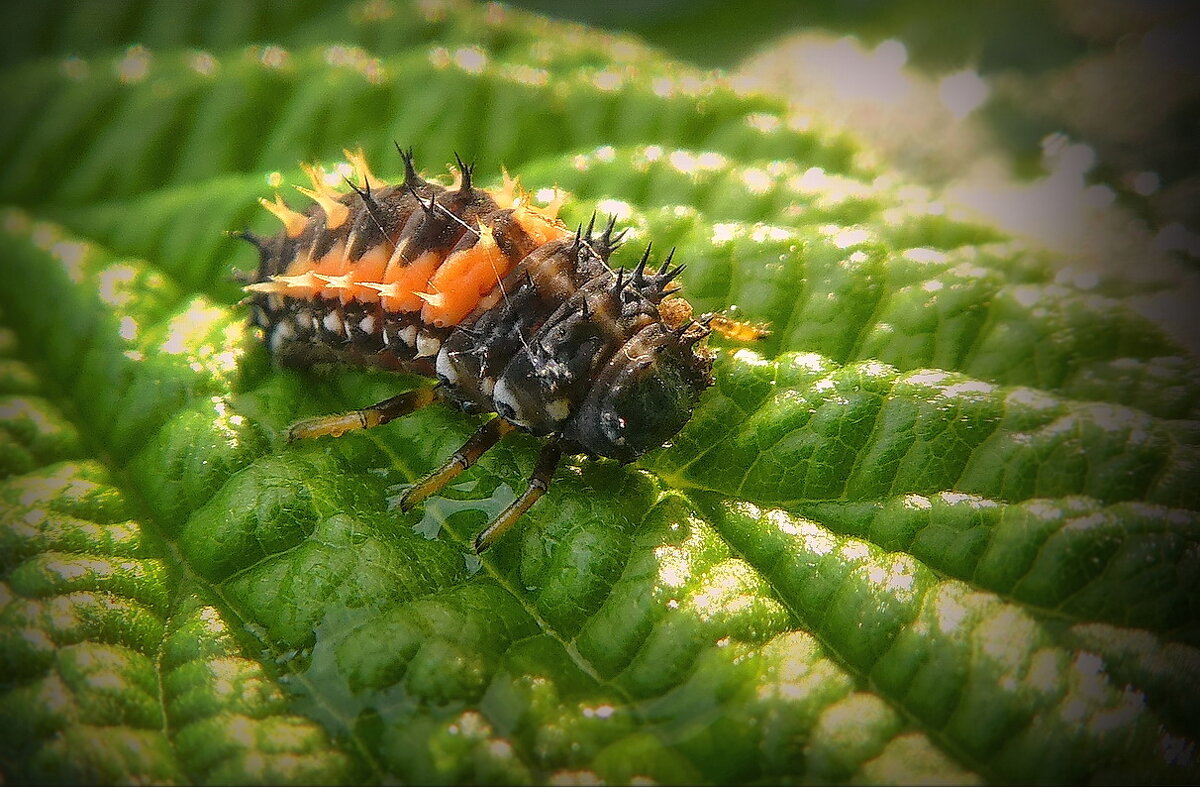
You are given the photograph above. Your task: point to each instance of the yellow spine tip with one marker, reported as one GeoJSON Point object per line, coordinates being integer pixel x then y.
{"type": "Point", "coordinates": [306, 279]}
{"type": "Point", "coordinates": [391, 290]}
{"type": "Point", "coordinates": [556, 202]}
{"type": "Point", "coordinates": [335, 212]}
{"type": "Point", "coordinates": [316, 176]}
{"type": "Point", "coordinates": [508, 195]}
{"type": "Point", "coordinates": [343, 282]}
{"type": "Point", "coordinates": [432, 298]}
{"type": "Point", "coordinates": [358, 161]}
{"type": "Point", "coordinates": [268, 287]}
{"type": "Point", "coordinates": [293, 222]}
{"type": "Point", "coordinates": [487, 239]}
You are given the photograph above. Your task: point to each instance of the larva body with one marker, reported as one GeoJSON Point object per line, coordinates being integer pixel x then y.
{"type": "Point", "coordinates": [509, 310]}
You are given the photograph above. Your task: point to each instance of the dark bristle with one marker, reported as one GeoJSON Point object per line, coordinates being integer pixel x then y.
{"type": "Point", "coordinates": [679, 332]}
{"type": "Point", "coordinates": [250, 237]}
{"type": "Point", "coordinates": [411, 178]}
{"type": "Point", "coordinates": [428, 207]}
{"type": "Point", "coordinates": [639, 278]}
{"type": "Point", "coordinates": [608, 243]}
{"type": "Point", "coordinates": [364, 193]}
{"type": "Point", "coordinates": [612, 222]}
{"type": "Point", "coordinates": [467, 170]}
{"type": "Point", "coordinates": [665, 279]}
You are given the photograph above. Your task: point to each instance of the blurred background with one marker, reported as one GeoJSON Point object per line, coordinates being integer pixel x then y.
{"type": "Point", "coordinates": [1019, 106]}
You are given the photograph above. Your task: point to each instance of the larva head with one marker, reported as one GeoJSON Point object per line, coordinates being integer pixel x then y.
{"type": "Point", "coordinates": [644, 395]}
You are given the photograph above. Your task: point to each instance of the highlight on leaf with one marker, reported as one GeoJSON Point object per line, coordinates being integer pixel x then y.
{"type": "Point", "coordinates": [938, 525]}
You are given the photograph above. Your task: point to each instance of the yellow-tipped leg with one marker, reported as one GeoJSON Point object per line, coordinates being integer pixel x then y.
{"type": "Point", "coordinates": [476, 446]}
{"type": "Point", "coordinates": [366, 418]}
{"type": "Point", "coordinates": [738, 330]}
{"type": "Point", "coordinates": [539, 482]}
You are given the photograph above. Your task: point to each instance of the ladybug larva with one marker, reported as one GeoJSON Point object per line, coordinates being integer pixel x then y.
{"type": "Point", "coordinates": [510, 311]}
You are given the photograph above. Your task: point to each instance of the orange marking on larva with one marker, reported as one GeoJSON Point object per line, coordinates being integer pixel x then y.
{"type": "Point", "coordinates": [397, 262]}
{"type": "Point", "coordinates": [369, 268]}
{"type": "Point", "coordinates": [334, 270]}
{"type": "Point", "coordinates": [537, 226]}
{"type": "Point", "coordinates": [333, 262]}
{"type": "Point", "coordinates": [464, 278]}
{"type": "Point", "coordinates": [399, 295]}
{"type": "Point", "coordinates": [293, 222]}
{"type": "Point", "coordinates": [301, 263]}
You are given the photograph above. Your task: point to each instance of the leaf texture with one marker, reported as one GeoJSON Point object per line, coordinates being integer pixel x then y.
{"type": "Point", "coordinates": [941, 526]}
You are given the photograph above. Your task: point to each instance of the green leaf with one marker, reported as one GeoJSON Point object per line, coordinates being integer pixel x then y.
{"type": "Point", "coordinates": [940, 526]}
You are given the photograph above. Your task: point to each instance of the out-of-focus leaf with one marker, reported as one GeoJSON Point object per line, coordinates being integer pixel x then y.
{"type": "Point", "coordinates": [940, 526]}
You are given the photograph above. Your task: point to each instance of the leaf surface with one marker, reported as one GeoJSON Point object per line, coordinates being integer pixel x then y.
{"type": "Point", "coordinates": [941, 526]}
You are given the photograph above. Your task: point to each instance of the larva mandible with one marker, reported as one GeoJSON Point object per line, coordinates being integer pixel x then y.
{"type": "Point", "coordinates": [510, 311]}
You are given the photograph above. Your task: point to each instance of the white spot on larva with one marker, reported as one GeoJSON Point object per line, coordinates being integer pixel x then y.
{"type": "Point", "coordinates": [367, 324]}
{"type": "Point", "coordinates": [502, 395]}
{"type": "Point", "coordinates": [427, 345]}
{"type": "Point", "coordinates": [409, 335]}
{"type": "Point", "coordinates": [558, 409]}
{"type": "Point", "coordinates": [281, 334]}
{"type": "Point", "coordinates": [487, 385]}
{"type": "Point", "coordinates": [332, 322]}
{"type": "Point", "coordinates": [445, 367]}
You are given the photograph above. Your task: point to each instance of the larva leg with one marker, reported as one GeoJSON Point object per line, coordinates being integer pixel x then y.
{"type": "Point", "coordinates": [476, 446]}
{"type": "Point", "coordinates": [366, 418]}
{"type": "Point", "coordinates": [539, 482]}
{"type": "Point", "coordinates": [738, 330]}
